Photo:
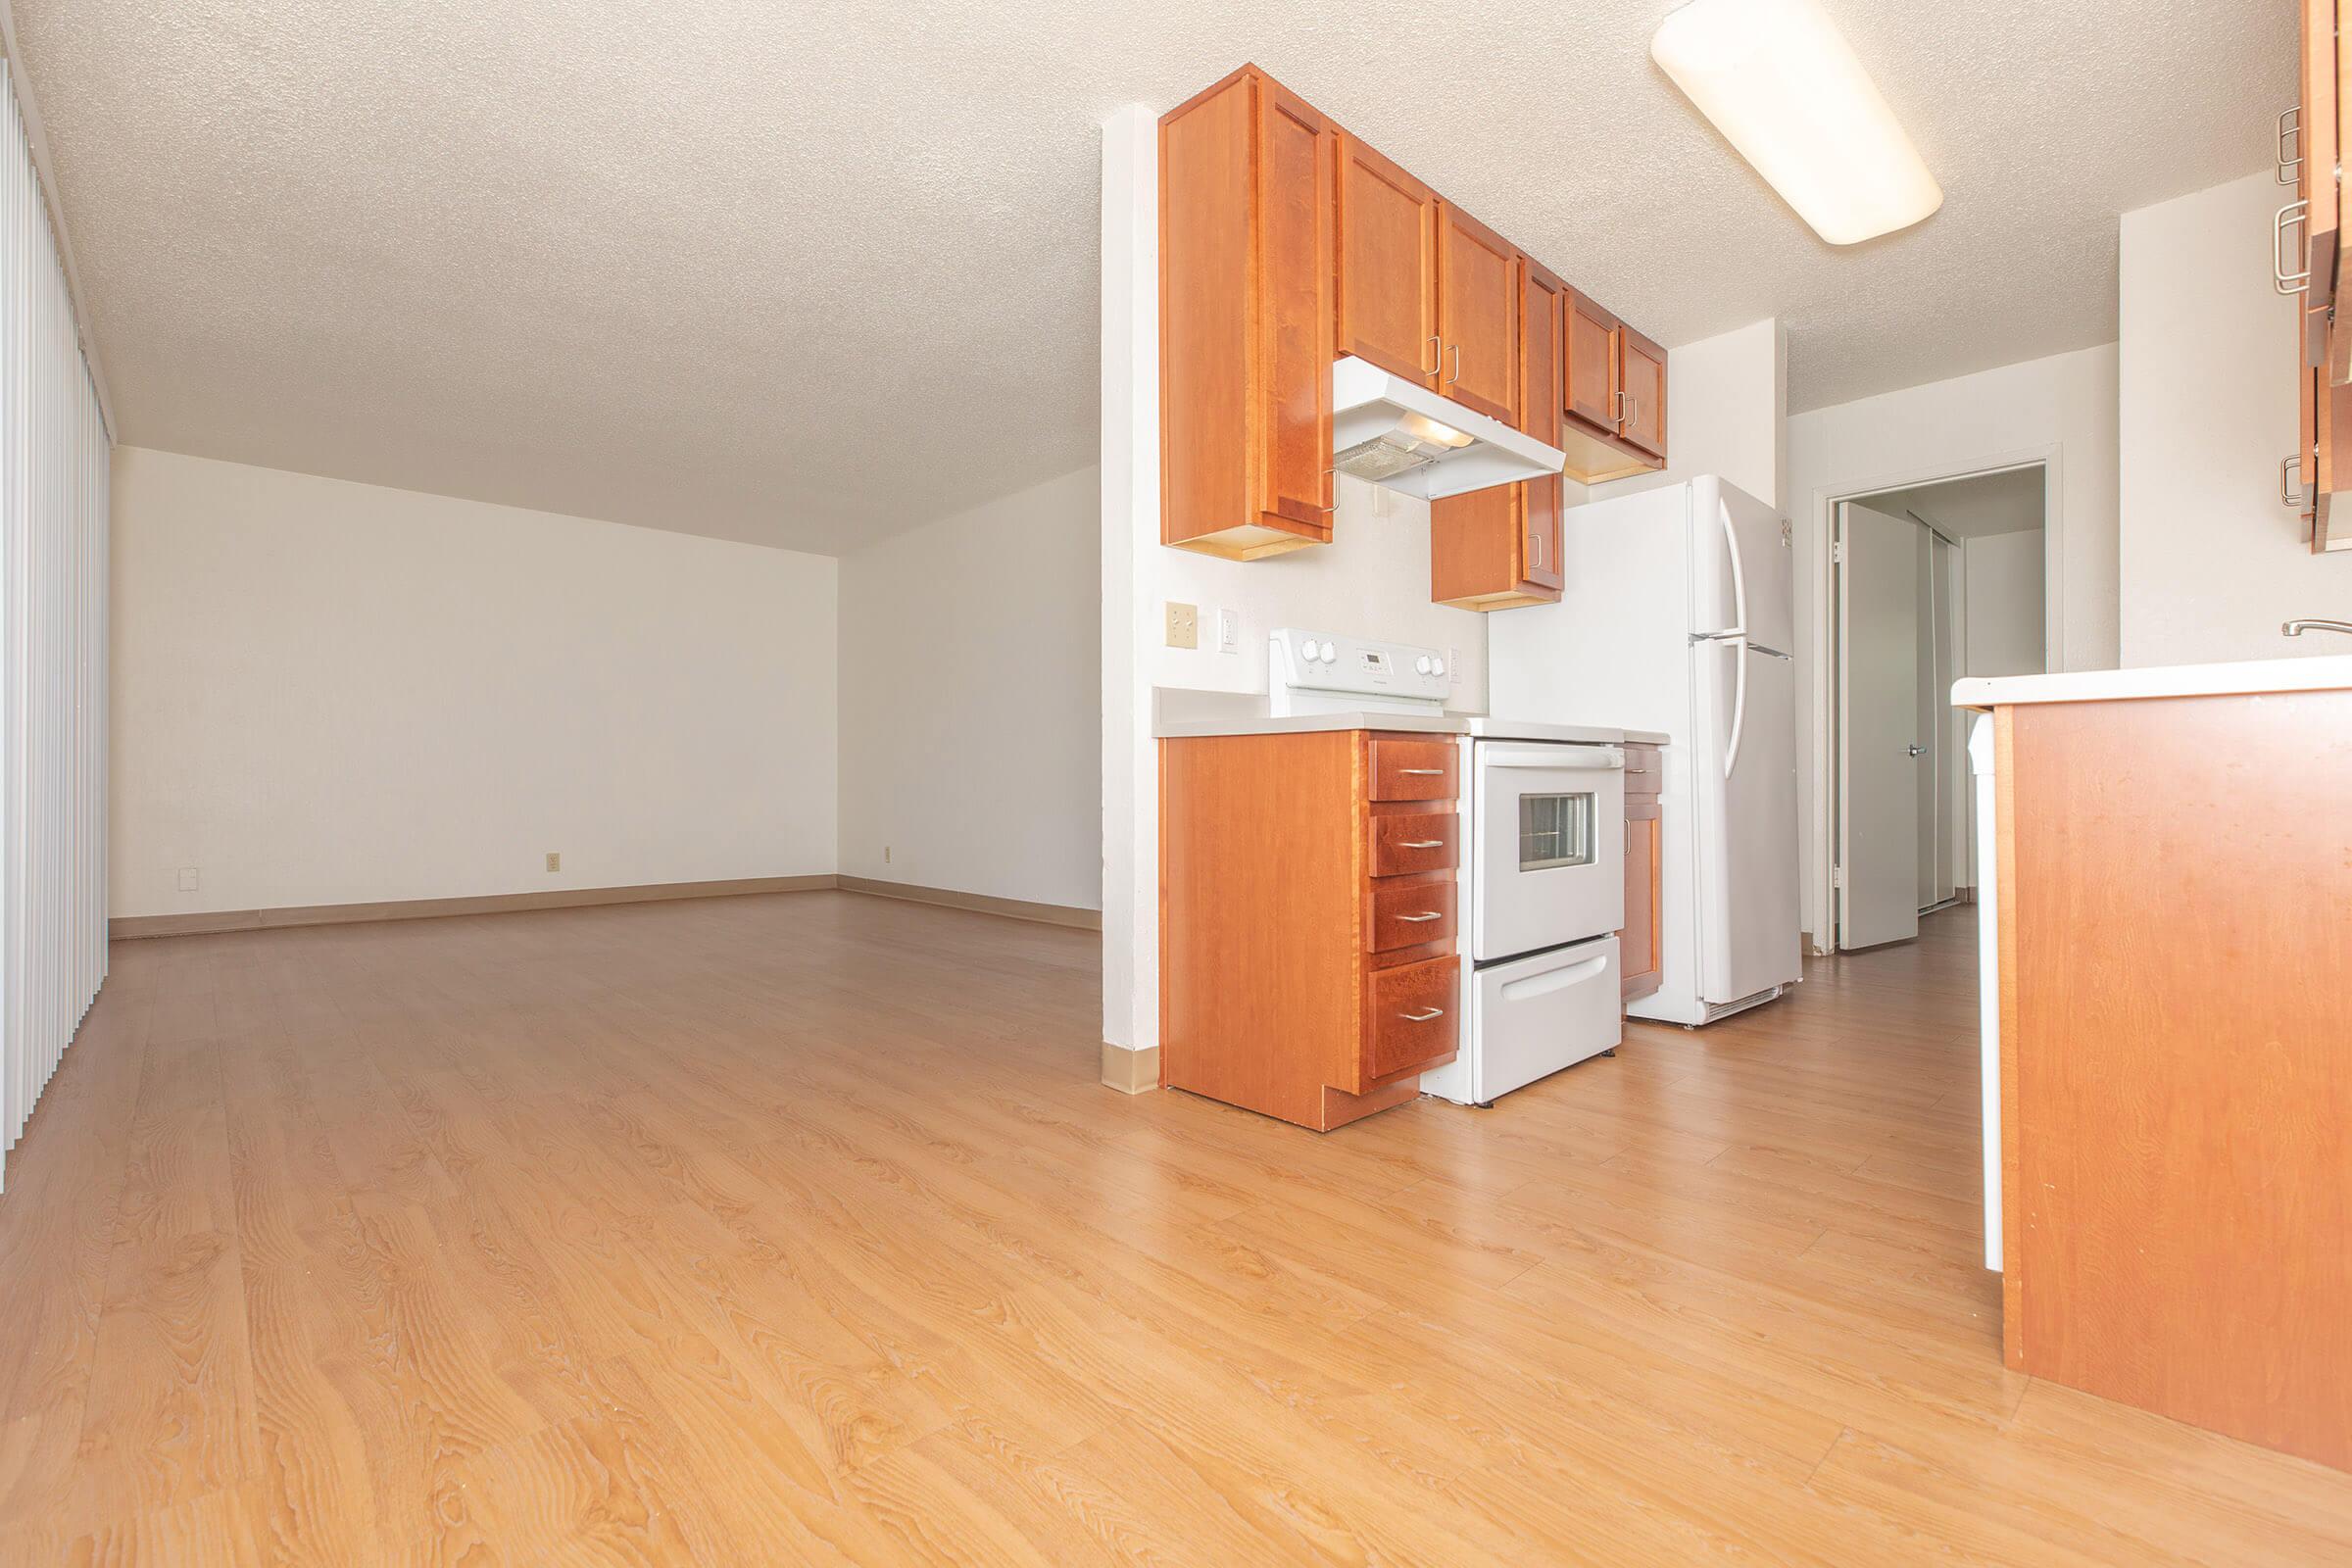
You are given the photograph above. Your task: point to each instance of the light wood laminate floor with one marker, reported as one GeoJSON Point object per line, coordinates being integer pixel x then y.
{"type": "Point", "coordinates": [795, 1229]}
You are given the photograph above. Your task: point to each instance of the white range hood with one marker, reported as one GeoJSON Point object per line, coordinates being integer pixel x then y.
{"type": "Point", "coordinates": [1398, 433]}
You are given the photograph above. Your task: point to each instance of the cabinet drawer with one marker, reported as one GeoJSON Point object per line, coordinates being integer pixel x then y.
{"type": "Point", "coordinates": [1409, 1017]}
{"type": "Point", "coordinates": [1405, 914]}
{"type": "Point", "coordinates": [1407, 768]}
{"type": "Point", "coordinates": [1417, 841]}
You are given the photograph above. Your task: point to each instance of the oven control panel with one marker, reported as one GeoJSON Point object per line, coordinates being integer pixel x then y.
{"type": "Point", "coordinates": [1325, 661]}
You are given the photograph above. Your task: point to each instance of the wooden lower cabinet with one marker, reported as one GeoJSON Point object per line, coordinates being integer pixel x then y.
{"type": "Point", "coordinates": [1638, 944]}
{"type": "Point", "coordinates": [1306, 926]}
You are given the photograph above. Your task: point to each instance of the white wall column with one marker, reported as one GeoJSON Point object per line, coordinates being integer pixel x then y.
{"type": "Point", "coordinates": [1130, 528]}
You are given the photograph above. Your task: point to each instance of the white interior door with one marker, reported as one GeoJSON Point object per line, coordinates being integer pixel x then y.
{"type": "Point", "coordinates": [1880, 752]}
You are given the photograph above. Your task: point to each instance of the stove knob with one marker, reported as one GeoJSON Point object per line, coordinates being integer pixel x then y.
{"type": "Point", "coordinates": [1329, 651]}
{"type": "Point", "coordinates": [1421, 665]}
{"type": "Point", "coordinates": [1437, 667]}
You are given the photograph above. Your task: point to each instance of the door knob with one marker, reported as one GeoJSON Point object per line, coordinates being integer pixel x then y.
{"type": "Point", "coordinates": [1917, 750]}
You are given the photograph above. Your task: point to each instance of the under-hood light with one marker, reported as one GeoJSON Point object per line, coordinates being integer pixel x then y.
{"type": "Point", "coordinates": [1423, 428]}
{"type": "Point", "coordinates": [1783, 85]}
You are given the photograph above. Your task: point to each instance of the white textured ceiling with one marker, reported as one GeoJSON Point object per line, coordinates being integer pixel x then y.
{"type": "Point", "coordinates": [2008, 501]}
{"type": "Point", "coordinates": [810, 274]}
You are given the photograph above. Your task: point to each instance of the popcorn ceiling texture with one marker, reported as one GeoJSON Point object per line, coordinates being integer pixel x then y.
{"type": "Point", "coordinates": [808, 275]}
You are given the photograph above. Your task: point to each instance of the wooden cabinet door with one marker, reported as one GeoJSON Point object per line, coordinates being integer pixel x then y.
{"type": "Point", "coordinates": [1588, 365]}
{"type": "Point", "coordinates": [1543, 336]}
{"type": "Point", "coordinates": [1478, 315]}
{"type": "Point", "coordinates": [1539, 535]}
{"type": "Point", "coordinates": [2317, 134]}
{"type": "Point", "coordinates": [1293, 198]}
{"type": "Point", "coordinates": [1387, 262]}
{"type": "Point", "coordinates": [1641, 377]}
{"type": "Point", "coordinates": [1638, 942]}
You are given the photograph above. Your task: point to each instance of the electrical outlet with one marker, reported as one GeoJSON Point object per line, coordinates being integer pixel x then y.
{"type": "Point", "coordinates": [1184, 625]}
{"type": "Point", "coordinates": [885, 855]}
{"type": "Point", "coordinates": [554, 860]}
{"type": "Point", "coordinates": [1229, 631]}
{"type": "Point", "coordinates": [1453, 667]}
{"type": "Point", "coordinates": [189, 877]}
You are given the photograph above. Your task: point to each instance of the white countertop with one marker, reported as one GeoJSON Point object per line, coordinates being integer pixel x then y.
{"type": "Point", "coordinates": [1178, 713]}
{"type": "Point", "coordinates": [2243, 678]}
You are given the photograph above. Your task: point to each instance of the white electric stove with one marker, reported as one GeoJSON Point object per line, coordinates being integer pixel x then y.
{"type": "Point", "coordinates": [1543, 865]}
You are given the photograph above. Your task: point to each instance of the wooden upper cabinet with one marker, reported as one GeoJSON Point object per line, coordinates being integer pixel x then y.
{"type": "Point", "coordinates": [2318, 136]}
{"type": "Point", "coordinates": [1246, 256]}
{"type": "Point", "coordinates": [1387, 284]}
{"type": "Point", "coordinates": [1542, 337]}
{"type": "Point", "coordinates": [1590, 366]}
{"type": "Point", "coordinates": [1642, 381]}
{"type": "Point", "coordinates": [1498, 548]}
{"type": "Point", "coordinates": [1613, 395]}
{"type": "Point", "coordinates": [1478, 315]}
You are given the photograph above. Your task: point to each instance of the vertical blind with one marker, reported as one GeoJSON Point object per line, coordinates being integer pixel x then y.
{"type": "Point", "coordinates": [53, 549]}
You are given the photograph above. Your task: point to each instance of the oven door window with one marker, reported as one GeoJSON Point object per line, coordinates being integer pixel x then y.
{"type": "Point", "coordinates": [1556, 830]}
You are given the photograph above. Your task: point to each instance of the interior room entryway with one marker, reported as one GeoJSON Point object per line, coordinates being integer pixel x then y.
{"type": "Point", "coordinates": [1935, 581]}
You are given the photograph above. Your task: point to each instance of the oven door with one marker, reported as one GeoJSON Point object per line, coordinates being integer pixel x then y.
{"type": "Point", "coordinates": [1547, 845]}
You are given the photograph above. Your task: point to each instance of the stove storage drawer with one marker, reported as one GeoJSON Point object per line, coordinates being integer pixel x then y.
{"type": "Point", "coordinates": [1410, 1017]}
{"type": "Point", "coordinates": [1412, 768]}
{"type": "Point", "coordinates": [1408, 914]}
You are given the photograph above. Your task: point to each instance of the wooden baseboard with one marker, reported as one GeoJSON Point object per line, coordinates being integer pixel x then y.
{"type": "Point", "coordinates": [981, 903]}
{"type": "Point", "coordinates": [1130, 1072]}
{"type": "Point", "coordinates": [123, 928]}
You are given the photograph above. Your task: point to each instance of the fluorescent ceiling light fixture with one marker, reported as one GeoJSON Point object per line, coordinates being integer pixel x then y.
{"type": "Point", "coordinates": [1779, 80]}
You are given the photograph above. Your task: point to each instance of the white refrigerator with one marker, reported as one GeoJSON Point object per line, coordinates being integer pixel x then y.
{"type": "Point", "coordinates": [1678, 615]}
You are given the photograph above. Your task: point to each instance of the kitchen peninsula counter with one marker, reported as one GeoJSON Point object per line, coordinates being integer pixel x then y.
{"type": "Point", "coordinates": [2166, 896]}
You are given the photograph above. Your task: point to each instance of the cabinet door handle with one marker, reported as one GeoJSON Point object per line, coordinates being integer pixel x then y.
{"type": "Point", "coordinates": [1424, 917]}
{"type": "Point", "coordinates": [1422, 772]}
{"type": "Point", "coordinates": [2291, 496]}
{"type": "Point", "coordinates": [2290, 129]}
{"type": "Point", "coordinates": [1536, 540]}
{"type": "Point", "coordinates": [1437, 355]}
{"type": "Point", "coordinates": [2290, 216]}
{"type": "Point", "coordinates": [1458, 365]}
{"type": "Point", "coordinates": [1617, 408]}
{"type": "Point", "coordinates": [1422, 843]}
{"type": "Point", "coordinates": [1424, 1016]}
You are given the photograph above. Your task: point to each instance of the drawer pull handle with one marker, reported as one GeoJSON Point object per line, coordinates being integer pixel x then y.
{"type": "Point", "coordinates": [1425, 914]}
{"type": "Point", "coordinates": [1423, 772]}
{"type": "Point", "coordinates": [1424, 1016]}
{"type": "Point", "coordinates": [1422, 843]}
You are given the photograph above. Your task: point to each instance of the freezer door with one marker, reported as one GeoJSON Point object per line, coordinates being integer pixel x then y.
{"type": "Point", "coordinates": [1741, 580]}
{"type": "Point", "coordinates": [1744, 800]}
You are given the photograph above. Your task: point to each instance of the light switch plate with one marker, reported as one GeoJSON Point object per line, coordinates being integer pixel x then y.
{"type": "Point", "coordinates": [1184, 625]}
{"type": "Point", "coordinates": [189, 879]}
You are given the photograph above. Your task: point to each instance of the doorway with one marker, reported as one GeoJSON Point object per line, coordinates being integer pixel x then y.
{"type": "Point", "coordinates": [1934, 582]}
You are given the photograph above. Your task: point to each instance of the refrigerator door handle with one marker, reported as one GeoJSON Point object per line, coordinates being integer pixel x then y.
{"type": "Point", "coordinates": [1731, 753]}
{"type": "Point", "coordinates": [1730, 549]}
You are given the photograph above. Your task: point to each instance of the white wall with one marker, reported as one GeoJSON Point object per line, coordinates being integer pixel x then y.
{"type": "Point", "coordinates": [330, 693]}
{"type": "Point", "coordinates": [2211, 562]}
{"type": "Point", "coordinates": [2060, 411]}
{"type": "Point", "coordinates": [971, 699]}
